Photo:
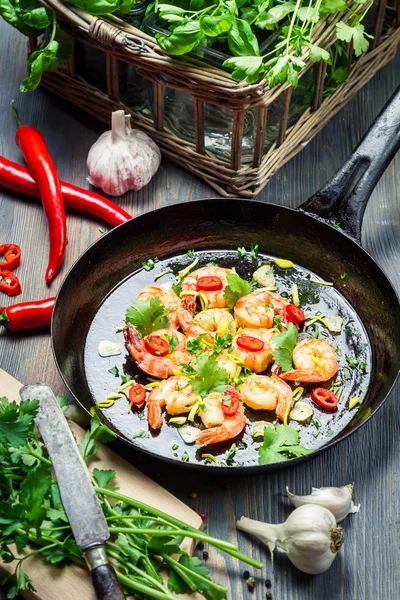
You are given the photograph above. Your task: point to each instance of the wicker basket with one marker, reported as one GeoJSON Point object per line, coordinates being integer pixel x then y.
{"type": "Point", "coordinates": [212, 91]}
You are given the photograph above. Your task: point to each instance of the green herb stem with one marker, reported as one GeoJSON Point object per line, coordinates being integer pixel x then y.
{"type": "Point", "coordinates": [197, 535]}
{"type": "Point", "coordinates": [175, 564]}
{"type": "Point", "coordinates": [146, 590]}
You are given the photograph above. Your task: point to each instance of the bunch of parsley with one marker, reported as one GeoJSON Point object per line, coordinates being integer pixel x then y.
{"type": "Point", "coordinates": [33, 521]}
{"type": "Point", "coordinates": [235, 23]}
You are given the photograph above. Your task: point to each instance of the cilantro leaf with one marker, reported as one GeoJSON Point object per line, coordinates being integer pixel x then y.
{"type": "Point", "coordinates": [14, 423]}
{"type": "Point", "coordinates": [317, 54]}
{"type": "Point", "coordinates": [148, 315]}
{"type": "Point", "coordinates": [182, 575]}
{"type": "Point", "coordinates": [149, 264]}
{"type": "Point", "coordinates": [236, 288]}
{"type": "Point", "coordinates": [104, 476]}
{"type": "Point", "coordinates": [284, 344]}
{"type": "Point", "coordinates": [98, 432]}
{"type": "Point", "coordinates": [280, 443]}
{"type": "Point", "coordinates": [221, 342]}
{"type": "Point", "coordinates": [33, 490]}
{"type": "Point", "coordinates": [114, 371]}
{"type": "Point", "coordinates": [210, 377]}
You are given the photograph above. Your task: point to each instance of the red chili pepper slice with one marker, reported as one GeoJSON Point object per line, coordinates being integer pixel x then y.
{"type": "Point", "coordinates": [209, 284]}
{"type": "Point", "coordinates": [293, 314]}
{"type": "Point", "coordinates": [230, 401]}
{"type": "Point", "coordinates": [27, 315]}
{"type": "Point", "coordinates": [137, 394]}
{"type": "Point", "coordinates": [12, 255]}
{"type": "Point", "coordinates": [9, 283]}
{"type": "Point", "coordinates": [42, 167]}
{"type": "Point", "coordinates": [250, 343]}
{"type": "Point", "coordinates": [324, 398]}
{"type": "Point", "coordinates": [156, 345]}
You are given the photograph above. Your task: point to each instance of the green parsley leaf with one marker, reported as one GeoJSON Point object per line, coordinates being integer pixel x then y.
{"type": "Point", "coordinates": [104, 476]}
{"type": "Point", "coordinates": [141, 434]}
{"type": "Point", "coordinates": [317, 54]}
{"type": "Point", "coordinates": [352, 362]}
{"type": "Point", "coordinates": [363, 366]}
{"type": "Point", "coordinates": [280, 443]}
{"type": "Point", "coordinates": [14, 423]}
{"type": "Point", "coordinates": [97, 432]}
{"type": "Point", "coordinates": [231, 454]}
{"type": "Point", "coordinates": [125, 378]}
{"type": "Point", "coordinates": [148, 315]}
{"type": "Point", "coordinates": [236, 288]}
{"type": "Point", "coordinates": [241, 252]}
{"type": "Point", "coordinates": [284, 344]}
{"type": "Point", "coordinates": [114, 371]}
{"type": "Point", "coordinates": [355, 34]}
{"type": "Point", "coordinates": [210, 377]}
{"type": "Point", "coordinates": [149, 264]}
{"type": "Point", "coordinates": [346, 373]}
{"type": "Point", "coordinates": [185, 457]}
{"type": "Point", "coordinates": [190, 253]}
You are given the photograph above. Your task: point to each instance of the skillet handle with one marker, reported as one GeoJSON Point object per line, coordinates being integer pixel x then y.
{"type": "Point", "coordinates": [344, 198]}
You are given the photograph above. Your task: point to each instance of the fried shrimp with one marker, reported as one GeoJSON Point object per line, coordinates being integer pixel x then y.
{"type": "Point", "coordinates": [168, 299]}
{"type": "Point", "coordinates": [175, 394]}
{"type": "Point", "coordinates": [210, 281]}
{"type": "Point", "coordinates": [215, 321]}
{"type": "Point", "coordinates": [155, 364]}
{"type": "Point", "coordinates": [258, 309]}
{"type": "Point", "coordinates": [260, 392]}
{"type": "Point", "coordinates": [314, 360]}
{"type": "Point", "coordinates": [253, 347]}
{"type": "Point", "coordinates": [220, 427]}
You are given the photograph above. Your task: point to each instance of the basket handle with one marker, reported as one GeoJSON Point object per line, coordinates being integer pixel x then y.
{"type": "Point", "coordinates": [343, 198]}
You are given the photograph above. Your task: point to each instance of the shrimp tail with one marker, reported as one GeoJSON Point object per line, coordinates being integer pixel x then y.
{"type": "Point", "coordinates": [134, 344]}
{"type": "Point", "coordinates": [228, 430]}
{"type": "Point", "coordinates": [190, 304]}
{"type": "Point", "coordinates": [301, 375]}
{"type": "Point", "coordinates": [154, 415]}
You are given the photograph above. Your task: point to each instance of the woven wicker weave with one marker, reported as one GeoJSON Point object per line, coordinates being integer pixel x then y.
{"type": "Point", "coordinates": [230, 177]}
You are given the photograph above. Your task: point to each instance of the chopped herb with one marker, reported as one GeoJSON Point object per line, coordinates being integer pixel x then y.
{"type": "Point", "coordinates": [172, 342]}
{"type": "Point", "coordinates": [278, 322]}
{"type": "Point", "coordinates": [177, 288]}
{"type": "Point", "coordinates": [338, 351]}
{"type": "Point", "coordinates": [241, 252]}
{"type": "Point", "coordinates": [210, 376]}
{"type": "Point", "coordinates": [190, 253]}
{"type": "Point", "coordinates": [336, 224]}
{"type": "Point", "coordinates": [187, 370]}
{"type": "Point", "coordinates": [114, 371]}
{"type": "Point", "coordinates": [315, 333]}
{"type": "Point", "coordinates": [343, 276]}
{"type": "Point", "coordinates": [346, 373]}
{"type": "Point", "coordinates": [254, 251]}
{"type": "Point", "coordinates": [194, 345]}
{"type": "Point", "coordinates": [330, 432]}
{"type": "Point", "coordinates": [101, 230]}
{"type": "Point", "coordinates": [352, 362]}
{"type": "Point", "coordinates": [125, 378]}
{"type": "Point", "coordinates": [185, 456]}
{"type": "Point", "coordinates": [142, 434]}
{"type": "Point", "coordinates": [236, 288]}
{"type": "Point", "coordinates": [316, 433]}
{"type": "Point", "coordinates": [149, 264]}
{"type": "Point", "coordinates": [175, 447]}
{"type": "Point", "coordinates": [316, 424]}
{"type": "Point", "coordinates": [280, 443]}
{"type": "Point", "coordinates": [363, 366]}
{"type": "Point", "coordinates": [231, 454]}
{"type": "Point", "coordinates": [242, 446]}
{"type": "Point", "coordinates": [221, 342]}
{"type": "Point", "coordinates": [284, 344]}
{"type": "Point", "coordinates": [209, 459]}
{"type": "Point", "coordinates": [148, 315]}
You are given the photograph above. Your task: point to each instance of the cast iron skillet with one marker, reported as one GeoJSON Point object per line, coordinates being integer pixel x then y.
{"type": "Point", "coordinates": [323, 237]}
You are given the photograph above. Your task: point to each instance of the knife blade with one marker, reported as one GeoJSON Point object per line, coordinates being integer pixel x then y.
{"type": "Point", "coordinates": [78, 497]}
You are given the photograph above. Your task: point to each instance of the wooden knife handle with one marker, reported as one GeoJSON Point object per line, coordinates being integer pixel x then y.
{"type": "Point", "coordinates": [104, 578]}
{"type": "Point", "coordinates": [106, 584]}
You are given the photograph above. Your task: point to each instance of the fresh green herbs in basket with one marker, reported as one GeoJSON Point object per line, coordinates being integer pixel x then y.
{"type": "Point", "coordinates": [144, 541]}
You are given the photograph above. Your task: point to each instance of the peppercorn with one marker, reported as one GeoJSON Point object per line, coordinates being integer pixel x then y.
{"type": "Point", "coordinates": [200, 546]}
{"type": "Point", "coordinates": [268, 595]}
{"type": "Point", "coordinates": [246, 574]}
{"type": "Point", "coordinates": [203, 516]}
{"type": "Point", "coordinates": [251, 586]}
{"type": "Point", "coordinates": [205, 555]}
{"type": "Point", "coordinates": [193, 495]}
{"type": "Point", "coordinates": [268, 583]}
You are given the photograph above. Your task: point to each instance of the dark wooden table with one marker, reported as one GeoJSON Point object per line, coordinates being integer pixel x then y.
{"type": "Point", "coordinates": [368, 568]}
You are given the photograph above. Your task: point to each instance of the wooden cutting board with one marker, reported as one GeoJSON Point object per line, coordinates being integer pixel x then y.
{"type": "Point", "coordinates": [73, 582]}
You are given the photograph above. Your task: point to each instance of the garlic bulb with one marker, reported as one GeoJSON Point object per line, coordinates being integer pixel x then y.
{"type": "Point", "coordinates": [310, 537]}
{"type": "Point", "coordinates": [337, 500]}
{"type": "Point", "coordinates": [122, 159]}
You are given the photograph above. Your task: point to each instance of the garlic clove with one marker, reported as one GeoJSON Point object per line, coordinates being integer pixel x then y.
{"type": "Point", "coordinates": [338, 500]}
{"type": "Point", "coordinates": [107, 348]}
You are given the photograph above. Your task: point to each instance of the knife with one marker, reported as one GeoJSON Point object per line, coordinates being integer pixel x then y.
{"type": "Point", "coordinates": [79, 499]}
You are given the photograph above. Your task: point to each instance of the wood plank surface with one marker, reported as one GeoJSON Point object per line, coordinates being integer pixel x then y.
{"type": "Point", "coordinates": [369, 566]}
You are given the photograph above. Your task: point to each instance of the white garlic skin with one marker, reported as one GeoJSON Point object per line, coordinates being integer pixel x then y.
{"type": "Point", "coordinates": [122, 159]}
{"type": "Point", "coordinates": [309, 537]}
{"type": "Point", "coordinates": [338, 500]}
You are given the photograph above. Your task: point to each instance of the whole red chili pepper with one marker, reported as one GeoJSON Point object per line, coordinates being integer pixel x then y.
{"type": "Point", "coordinates": [12, 255]}
{"type": "Point", "coordinates": [9, 283]}
{"type": "Point", "coordinates": [42, 167]}
{"type": "Point", "coordinates": [27, 315]}
{"type": "Point", "coordinates": [16, 178]}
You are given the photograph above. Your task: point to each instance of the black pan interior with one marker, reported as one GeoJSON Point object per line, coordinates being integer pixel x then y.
{"type": "Point", "coordinates": [107, 278]}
